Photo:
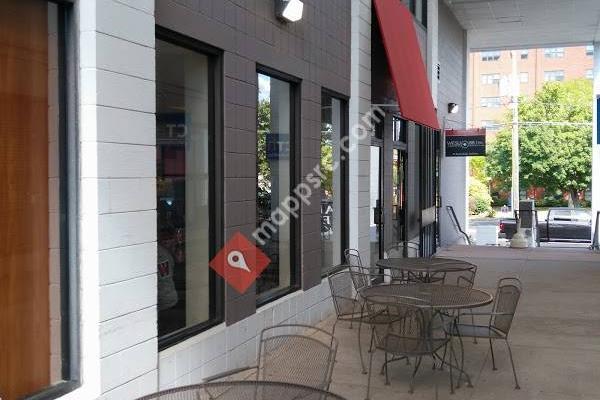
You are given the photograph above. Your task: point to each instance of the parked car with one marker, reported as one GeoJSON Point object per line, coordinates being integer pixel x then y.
{"type": "Point", "coordinates": [560, 225]}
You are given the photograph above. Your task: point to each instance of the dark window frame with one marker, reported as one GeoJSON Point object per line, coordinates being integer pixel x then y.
{"type": "Point", "coordinates": [69, 211]}
{"type": "Point", "coordinates": [216, 184]}
{"type": "Point", "coordinates": [295, 179]}
{"type": "Point", "coordinates": [344, 171]}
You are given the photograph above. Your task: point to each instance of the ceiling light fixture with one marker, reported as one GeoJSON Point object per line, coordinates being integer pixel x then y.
{"type": "Point", "coordinates": [289, 10]}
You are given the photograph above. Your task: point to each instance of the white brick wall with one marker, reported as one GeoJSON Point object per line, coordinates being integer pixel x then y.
{"type": "Point", "coordinates": [360, 103]}
{"type": "Point", "coordinates": [222, 348]}
{"type": "Point", "coordinates": [118, 199]}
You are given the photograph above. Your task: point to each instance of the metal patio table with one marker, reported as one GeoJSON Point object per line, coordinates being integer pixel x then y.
{"type": "Point", "coordinates": [446, 299]}
{"type": "Point", "coordinates": [244, 390]}
{"type": "Point", "coordinates": [424, 269]}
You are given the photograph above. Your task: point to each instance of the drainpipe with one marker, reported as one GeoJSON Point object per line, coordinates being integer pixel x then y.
{"type": "Point", "coordinates": [596, 137]}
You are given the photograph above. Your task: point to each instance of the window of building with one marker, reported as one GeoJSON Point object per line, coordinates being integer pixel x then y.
{"type": "Point", "coordinates": [490, 102]}
{"type": "Point", "coordinates": [419, 10]}
{"type": "Point", "coordinates": [490, 55]}
{"type": "Point", "coordinates": [490, 79]}
{"type": "Point", "coordinates": [524, 77]}
{"type": "Point", "coordinates": [524, 54]}
{"type": "Point", "coordinates": [558, 75]}
{"type": "Point", "coordinates": [333, 181]}
{"type": "Point", "coordinates": [490, 125]}
{"type": "Point", "coordinates": [189, 292]}
{"type": "Point", "coordinates": [276, 165]}
{"type": "Point", "coordinates": [589, 74]}
{"type": "Point", "coordinates": [38, 248]}
{"type": "Point", "coordinates": [554, 52]}
{"type": "Point", "coordinates": [589, 50]}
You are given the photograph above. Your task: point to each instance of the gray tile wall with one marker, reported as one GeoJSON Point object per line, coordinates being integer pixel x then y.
{"type": "Point", "coordinates": [315, 50]}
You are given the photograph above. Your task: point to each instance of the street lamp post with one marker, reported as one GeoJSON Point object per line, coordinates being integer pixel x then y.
{"type": "Point", "coordinates": [515, 132]}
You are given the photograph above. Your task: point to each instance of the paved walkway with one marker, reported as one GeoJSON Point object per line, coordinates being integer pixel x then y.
{"type": "Point", "coordinates": [555, 336]}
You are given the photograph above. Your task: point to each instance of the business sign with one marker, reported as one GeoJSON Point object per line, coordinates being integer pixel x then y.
{"type": "Point", "coordinates": [465, 142]}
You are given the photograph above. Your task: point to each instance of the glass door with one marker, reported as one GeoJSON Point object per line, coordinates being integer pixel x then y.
{"type": "Point", "coordinates": [376, 207]}
{"type": "Point", "coordinates": [399, 195]}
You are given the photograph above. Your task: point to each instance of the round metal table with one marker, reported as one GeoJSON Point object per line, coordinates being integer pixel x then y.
{"type": "Point", "coordinates": [423, 269]}
{"type": "Point", "coordinates": [442, 297]}
{"type": "Point", "coordinates": [244, 390]}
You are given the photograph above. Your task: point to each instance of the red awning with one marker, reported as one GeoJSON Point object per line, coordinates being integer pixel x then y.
{"type": "Point", "coordinates": [405, 62]}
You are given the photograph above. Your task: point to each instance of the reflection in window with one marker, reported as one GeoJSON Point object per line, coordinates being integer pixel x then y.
{"type": "Point", "coordinates": [399, 195]}
{"type": "Point", "coordinates": [185, 282]}
{"type": "Point", "coordinates": [274, 180]}
{"type": "Point", "coordinates": [331, 182]}
{"type": "Point", "coordinates": [34, 259]}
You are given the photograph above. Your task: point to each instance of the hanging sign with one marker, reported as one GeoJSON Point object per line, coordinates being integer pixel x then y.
{"type": "Point", "coordinates": [465, 142]}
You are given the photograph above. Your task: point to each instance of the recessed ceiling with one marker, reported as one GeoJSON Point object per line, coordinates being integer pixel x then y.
{"type": "Point", "coordinates": [506, 24]}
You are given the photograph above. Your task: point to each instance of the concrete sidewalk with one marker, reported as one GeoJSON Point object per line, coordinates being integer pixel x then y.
{"type": "Point", "coordinates": [555, 336]}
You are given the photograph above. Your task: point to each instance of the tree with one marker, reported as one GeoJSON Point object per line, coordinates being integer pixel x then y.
{"type": "Point", "coordinates": [556, 157]}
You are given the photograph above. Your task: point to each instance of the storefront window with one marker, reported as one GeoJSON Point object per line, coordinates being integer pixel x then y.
{"type": "Point", "coordinates": [186, 285]}
{"type": "Point", "coordinates": [274, 183]}
{"type": "Point", "coordinates": [332, 184]}
{"type": "Point", "coordinates": [35, 317]}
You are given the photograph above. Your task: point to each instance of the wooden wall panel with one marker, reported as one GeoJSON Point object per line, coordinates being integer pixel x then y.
{"type": "Point", "coordinates": [24, 241]}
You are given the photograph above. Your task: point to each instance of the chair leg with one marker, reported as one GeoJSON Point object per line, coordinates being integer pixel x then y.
{"type": "Point", "coordinates": [513, 365]}
{"type": "Point", "coordinates": [473, 323]}
{"type": "Point", "coordinates": [387, 375]}
{"type": "Point", "coordinates": [450, 363]}
{"type": "Point", "coordinates": [362, 361]}
{"type": "Point", "coordinates": [492, 352]}
{"type": "Point", "coordinates": [412, 379]}
{"type": "Point", "coordinates": [370, 368]}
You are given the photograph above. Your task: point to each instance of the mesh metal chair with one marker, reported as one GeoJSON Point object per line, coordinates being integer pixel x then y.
{"type": "Point", "coordinates": [406, 327]}
{"type": "Point", "coordinates": [243, 390]}
{"type": "Point", "coordinates": [507, 297]}
{"type": "Point", "coordinates": [362, 275]}
{"type": "Point", "coordinates": [401, 250]}
{"type": "Point", "coordinates": [299, 354]}
{"type": "Point", "coordinates": [346, 303]}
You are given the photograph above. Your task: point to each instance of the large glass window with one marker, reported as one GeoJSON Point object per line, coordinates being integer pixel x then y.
{"type": "Point", "coordinates": [554, 52]}
{"type": "Point", "coordinates": [490, 102]}
{"type": "Point", "coordinates": [558, 75]}
{"type": "Point", "coordinates": [275, 154]}
{"type": "Point", "coordinates": [490, 79]}
{"type": "Point", "coordinates": [490, 55]}
{"type": "Point", "coordinates": [36, 245]}
{"type": "Point", "coordinates": [332, 182]}
{"type": "Point", "coordinates": [187, 287]}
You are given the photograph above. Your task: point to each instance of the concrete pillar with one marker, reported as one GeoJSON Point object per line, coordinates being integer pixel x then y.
{"type": "Point", "coordinates": [595, 137]}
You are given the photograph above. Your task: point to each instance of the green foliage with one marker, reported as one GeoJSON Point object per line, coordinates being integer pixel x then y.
{"type": "Point", "coordinates": [477, 168]}
{"type": "Point", "coordinates": [326, 165]}
{"type": "Point", "coordinates": [556, 157]}
{"type": "Point", "coordinates": [480, 201]}
{"type": "Point", "coordinates": [264, 126]}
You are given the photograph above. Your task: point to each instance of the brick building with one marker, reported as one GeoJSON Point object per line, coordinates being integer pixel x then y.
{"type": "Point", "coordinates": [489, 87]}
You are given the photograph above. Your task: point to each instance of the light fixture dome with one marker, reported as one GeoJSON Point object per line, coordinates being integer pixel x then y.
{"type": "Point", "coordinates": [289, 10]}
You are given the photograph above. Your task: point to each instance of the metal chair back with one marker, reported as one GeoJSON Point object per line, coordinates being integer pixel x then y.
{"type": "Point", "coordinates": [299, 354]}
{"type": "Point", "coordinates": [342, 293]}
{"type": "Point", "coordinates": [403, 250]}
{"type": "Point", "coordinates": [508, 294]}
{"type": "Point", "coordinates": [352, 257]}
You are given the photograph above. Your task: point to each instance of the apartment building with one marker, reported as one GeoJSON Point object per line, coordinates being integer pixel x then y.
{"type": "Point", "coordinates": [489, 86]}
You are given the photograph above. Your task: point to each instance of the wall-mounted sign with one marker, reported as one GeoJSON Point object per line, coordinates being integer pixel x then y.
{"type": "Point", "coordinates": [465, 142]}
